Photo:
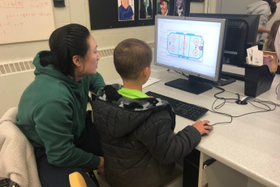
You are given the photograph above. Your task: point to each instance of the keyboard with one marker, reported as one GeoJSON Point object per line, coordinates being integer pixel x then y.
{"type": "Point", "coordinates": [181, 108]}
{"type": "Point", "coordinates": [233, 75]}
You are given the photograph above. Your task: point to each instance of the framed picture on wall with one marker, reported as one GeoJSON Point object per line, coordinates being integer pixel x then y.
{"type": "Point", "coordinates": [108, 14]}
{"type": "Point", "coordinates": [179, 8]}
{"type": "Point", "coordinates": [126, 10]}
{"type": "Point", "coordinates": [145, 9]}
{"type": "Point", "coordinates": [163, 7]}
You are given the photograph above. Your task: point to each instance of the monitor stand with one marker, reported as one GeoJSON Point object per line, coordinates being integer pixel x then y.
{"type": "Point", "coordinates": [225, 81]}
{"type": "Point", "coordinates": [193, 85]}
{"type": "Point", "coordinates": [221, 82]}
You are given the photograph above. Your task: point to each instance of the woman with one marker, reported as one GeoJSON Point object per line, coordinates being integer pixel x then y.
{"type": "Point", "coordinates": [269, 42]}
{"type": "Point", "coordinates": [52, 109]}
{"type": "Point", "coordinates": [277, 48]}
{"type": "Point", "coordinates": [266, 10]}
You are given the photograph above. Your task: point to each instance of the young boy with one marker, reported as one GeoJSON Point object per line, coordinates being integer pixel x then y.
{"type": "Point", "coordinates": [136, 131]}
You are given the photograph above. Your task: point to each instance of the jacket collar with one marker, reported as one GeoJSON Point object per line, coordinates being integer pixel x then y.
{"type": "Point", "coordinates": [110, 94]}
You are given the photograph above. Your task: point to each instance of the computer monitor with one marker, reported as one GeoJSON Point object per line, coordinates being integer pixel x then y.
{"type": "Point", "coordinates": [190, 45]}
{"type": "Point", "coordinates": [252, 21]}
{"type": "Point", "coordinates": [235, 47]}
{"type": "Point", "coordinates": [241, 29]}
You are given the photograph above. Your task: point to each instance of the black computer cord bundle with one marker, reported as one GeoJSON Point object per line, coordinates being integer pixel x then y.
{"type": "Point", "coordinates": [276, 89]}
{"type": "Point", "coordinates": [267, 106]}
{"type": "Point", "coordinates": [181, 73]}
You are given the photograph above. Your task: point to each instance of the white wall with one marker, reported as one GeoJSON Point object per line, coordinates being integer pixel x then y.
{"type": "Point", "coordinates": [234, 6]}
{"type": "Point", "coordinates": [272, 20]}
{"type": "Point", "coordinates": [76, 11]}
{"type": "Point", "coordinates": [239, 7]}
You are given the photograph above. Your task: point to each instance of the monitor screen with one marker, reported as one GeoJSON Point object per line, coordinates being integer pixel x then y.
{"type": "Point", "coordinates": [236, 38]}
{"type": "Point", "coordinates": [191, 45]}
{"type": "Point", "coordinates": [232, 41]}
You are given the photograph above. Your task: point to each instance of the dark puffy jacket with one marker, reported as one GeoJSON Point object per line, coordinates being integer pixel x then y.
{"type": "Point", "coordinates": [139, 145]}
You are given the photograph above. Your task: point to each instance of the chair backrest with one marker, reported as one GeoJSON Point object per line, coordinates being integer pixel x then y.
{"type": "Point", "coordinates": [17, 155]}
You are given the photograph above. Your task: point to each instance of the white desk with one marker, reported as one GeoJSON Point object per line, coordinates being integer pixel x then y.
{"type": "Point", "coordinates": [250, 145]}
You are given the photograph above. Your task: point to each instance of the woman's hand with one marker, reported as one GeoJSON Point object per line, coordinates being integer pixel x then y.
{"type": "Point", "coordinates": [100, 167]}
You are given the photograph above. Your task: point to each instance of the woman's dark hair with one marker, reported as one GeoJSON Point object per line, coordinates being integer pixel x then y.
{"type": "Point", "coordinates": [271, 37]}
{"type": "Point", "coordinates": [66, 42]}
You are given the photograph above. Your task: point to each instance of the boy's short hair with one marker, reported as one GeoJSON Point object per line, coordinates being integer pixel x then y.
{"type": "Point", "coordinates": [131, 56]}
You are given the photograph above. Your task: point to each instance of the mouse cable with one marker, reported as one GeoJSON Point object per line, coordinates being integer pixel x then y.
{"type": "Point", "coordinates": [268, 102]}
{"type": "Point", "coordinates": [276, 89]}
{"type": "Point", "coordinates": [222, 91]}
{"type": "Point", "coordinates": [265, 106]}
{"type": "Point", "coordinates": [181, 73]}
{"type": "Point", "coordinates": [221, 113]}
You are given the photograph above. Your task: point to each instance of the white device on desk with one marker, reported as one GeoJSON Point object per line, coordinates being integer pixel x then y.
{"type": "Point", "coordinates": [190, 45]}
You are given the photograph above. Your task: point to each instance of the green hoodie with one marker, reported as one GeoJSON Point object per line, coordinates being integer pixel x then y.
{"type": "Point", "coordinates": [52, 112]}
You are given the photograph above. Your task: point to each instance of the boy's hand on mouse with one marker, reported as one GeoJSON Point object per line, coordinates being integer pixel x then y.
{"type": "Point", "coordinates": [199, 125]}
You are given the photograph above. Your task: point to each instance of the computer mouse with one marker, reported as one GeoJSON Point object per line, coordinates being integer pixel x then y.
{"type": "Point", "coordinates": [206, 124]}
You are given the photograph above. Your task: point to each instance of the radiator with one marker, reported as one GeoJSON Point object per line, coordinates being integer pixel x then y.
{"type": "Point", "coordinates": [16, 76]}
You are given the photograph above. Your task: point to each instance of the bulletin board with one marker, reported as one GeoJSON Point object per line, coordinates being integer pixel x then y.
{"type": "Point", "coordinates": [25, 20]}
{"type": "Point", "coordinates": [105, 14]}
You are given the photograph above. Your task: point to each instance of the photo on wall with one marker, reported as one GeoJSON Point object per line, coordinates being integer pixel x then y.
{"type": "Point", "coordinates": [163, 7]}
{"type": "Point", "coordinates": [179, 8]}
{"type": "Point", "coordinates": [145, 9]}
{"type": "Point", "coordinates": [126, 10]}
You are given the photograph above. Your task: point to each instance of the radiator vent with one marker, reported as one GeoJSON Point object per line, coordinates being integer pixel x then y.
{"type": "Point", "coordinates": [152, 45]}
{"type": "Point", "coordinates": [15, 67]}
{"type": "Point", "coordinates": [106, 52]}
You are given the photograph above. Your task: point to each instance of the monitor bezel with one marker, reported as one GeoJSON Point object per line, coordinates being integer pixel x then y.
{"type": "Point", "coordinates": [220, 50]}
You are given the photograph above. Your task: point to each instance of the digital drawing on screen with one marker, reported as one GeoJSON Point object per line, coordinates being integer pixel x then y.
{"type": "Point", "coordinates": [126, 10]}
{"type": "Point", "coordinates": [185, 45]}
{"type": "Point", "coordinates": [145, 9]}
{"type": "Point", "coordinates": [179, 7]}
{"type": "Point", "coordinates": [163, 7]}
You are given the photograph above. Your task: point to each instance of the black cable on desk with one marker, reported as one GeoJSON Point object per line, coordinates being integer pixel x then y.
{"type": "Point", "coordinates": [252, 101]}
{"type": "Point", "coordinates": [181, 73]}
{"type": "Point", "coordinates": [225, 100]}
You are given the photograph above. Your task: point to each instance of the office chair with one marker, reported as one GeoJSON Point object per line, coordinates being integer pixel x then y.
{"type": "Point", "coordinates": [17, 163]}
